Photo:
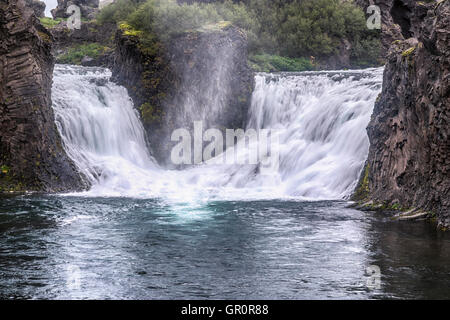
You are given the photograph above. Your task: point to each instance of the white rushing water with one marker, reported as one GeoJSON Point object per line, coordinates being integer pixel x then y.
{"type": "Point", "coordinates": [320, 120]}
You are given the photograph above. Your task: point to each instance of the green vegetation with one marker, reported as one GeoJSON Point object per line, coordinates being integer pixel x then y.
{"type": "Point", "coordinates": [407, 52]}
{"type": "Point", "coordinates": [45, 37]}
{"type": "Point", "coordinates": [4, 169]}
{"type": "Point", "coordinates": [307, 29]}
{"type": "Point", "coordinates": [271, 63]}
{"type": "Point", "coordinates": [362, 190]}
{"type": "Point", "coordinates": [49, 22]}
{"type": "Point", "coordinates": [149, 113]}
{"type": "Point", "coordinates": [129, 30]}
{"type": "Point", "coordinates": [75, 54]}
{"type": "Point", "coordinates": [366, 53]}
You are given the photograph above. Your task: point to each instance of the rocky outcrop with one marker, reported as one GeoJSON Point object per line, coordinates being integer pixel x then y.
{"type": "Point", "coordinates": [390, 30]}
{"type": "Point", "coordinates": [31, 153]}
{"type": "Point", "coordinates": [88, 8]}
{"type": "Point", "coordinates": [409, 163]}
{"type": "Point", "coordinates": [340, 60]}
{"type": "Point", "coordinates": [90, 33]}
{"type": "Point", "coordinates": [400, 19]}
{"type": "Point", "coordinates": [38, 7]}
{"type": "Point", "coordinates": [196, 76]}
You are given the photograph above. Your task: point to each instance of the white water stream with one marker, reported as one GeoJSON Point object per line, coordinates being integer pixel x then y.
{"type": "Point", "coordinates": [320, 119]}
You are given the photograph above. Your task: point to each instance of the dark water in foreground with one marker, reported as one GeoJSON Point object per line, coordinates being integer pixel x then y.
{"type": "Point", "coordinates": [57, 247]}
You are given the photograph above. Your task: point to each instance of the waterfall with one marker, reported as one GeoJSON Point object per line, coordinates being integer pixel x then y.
{"type": "Point", "coordinates": [320, 120]}
{"type": "Point", "coordinates": [322, 117]}
{"type": "Point", "coordinates": [99, 126]}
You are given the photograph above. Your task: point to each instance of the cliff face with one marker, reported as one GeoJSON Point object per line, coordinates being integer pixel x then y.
{"type": "Point", "coordinates": [88, 8]}
{"type": "Point", "coordinates": [89, 33]}
{"type": "Point", "coordinates": [400, 19]}
{"type": "Point", "coordinates": [196, 76]}
{"type": "Point", "coordinates": [38, 7]}
{"type": "Point", "coordinates": [409, 132]}
{"type": "Point", "coordinates": [31, 154]}
{"type": "Point", "coordinates": [390, 30]}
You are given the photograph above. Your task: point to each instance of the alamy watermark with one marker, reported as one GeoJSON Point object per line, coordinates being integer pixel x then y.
{"type": "Point", "coordinates": [374, 20]}
{"type": "Point", "coordinates": [237, 147]}
{"type": "Point", "coordinates": [373, 272]}
{"type": "Point", "coordinates": [74, 20]}
{"type": "Point", "coordinates": [73, 280]}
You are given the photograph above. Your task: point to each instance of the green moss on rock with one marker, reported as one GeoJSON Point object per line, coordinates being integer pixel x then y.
{"type": "Point", "coordinates": [150, 113]}
{"type": "Point", "coordinates": [45, 37]}
{"type": "Point", "coordinates": [4, 169]}
{"type": "Point", "coordinates": [408, 52]}
{"type": "Point", "coordinates": [274, 63]}
{"type": "Point", "coordinates": [49, 22]}
{"type": "Point", "coordinates": [76, 53]}
{"type": "Point", "coordinates": [362, 190]}
{"type": "Point", "coordinates": [129, 30]}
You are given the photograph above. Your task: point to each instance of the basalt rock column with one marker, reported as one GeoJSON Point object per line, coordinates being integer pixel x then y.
{"type": "Point", "coordinates": [31, 154]}
{"type": "Point", "coordinates": [409, 163]}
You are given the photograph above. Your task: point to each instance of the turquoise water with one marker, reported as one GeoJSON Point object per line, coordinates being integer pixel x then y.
{"type": "Point", "coordinates": [217, 231]}
{"type": "Point", "coordinates": [59, 247]}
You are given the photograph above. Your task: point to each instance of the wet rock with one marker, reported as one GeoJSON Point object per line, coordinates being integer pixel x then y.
{"type": "Point", "coordinates": [409, 131]}
{"type": "Point", "coordinates": [86, 61]}
{"type": "Point", "coordinates": [88, 8]}
{"type": "Point", "coordinates": [38, 7]}
{"type": "Point", "coordinates": [31, 152]}
{"type": "Point", "coordinates": [184, 80]}
{"type": "Point", "coordinates": [99, 81]}
{"type": "Point", "coordinates": [400, 19]}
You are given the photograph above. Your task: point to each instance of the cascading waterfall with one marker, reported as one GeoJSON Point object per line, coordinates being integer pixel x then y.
{"type": "Point", "coordinates": [320, 120]}
{"type": "Point", "coordinates": [100, 129]}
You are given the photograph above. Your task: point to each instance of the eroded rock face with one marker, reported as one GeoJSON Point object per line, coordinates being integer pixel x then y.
{"type": "Point", "coordinates": [409, 132]}
{"type": "Point", "coordinates": [198, 76]}
{"type": "Point", "coordinates": [390, 30]}
{"type": "Point", "coordinates": [38, 7]}
{"type": "Point", "coordinates": [88, 8]}
{"type": "Point", "coordinates": [31, 153]}
{"type": "Point", "coordinates": [400, 19]}
{"type": "Point", "coordinates": [89, 32]}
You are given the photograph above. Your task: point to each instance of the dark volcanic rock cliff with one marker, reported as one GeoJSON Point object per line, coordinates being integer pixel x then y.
{"type": "Point", "coordinates": [37, 6]}
{"type": "Point", "coordinates": [89, 33]}
{"type": "Point", "coordinates": [88, 8]}
{"type": "Point", "coordinates": [409, 133]}
{"type": "Point", "coordinates": [31, 154]}
{"type": "Point", "coordinates": [195, 76]}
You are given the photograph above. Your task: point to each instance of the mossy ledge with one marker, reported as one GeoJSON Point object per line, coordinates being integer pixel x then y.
{"type": "Point", "coordinates": [395, 210]}
{"type": "Point", "coordinates": [76, 53]}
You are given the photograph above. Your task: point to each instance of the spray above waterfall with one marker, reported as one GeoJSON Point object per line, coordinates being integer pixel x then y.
{"type": "Point", "coordinates": [319, 119]}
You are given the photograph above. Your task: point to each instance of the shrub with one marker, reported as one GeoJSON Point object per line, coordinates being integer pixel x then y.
{"type": "Point", "coordinates": [116, 11]}
{"type": "Point", "coordinates": [273, 63]}
{"type": "Point", "coordinates": [366, 53]}
{"type": "Point", "coordinates": [49, 22]}
{"type": "Point", "coordinates": [296, 28]}
{"type": "Point", "coordinates": [4, 169]}
{"type": "Point", "coordinates": [75, 54]}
